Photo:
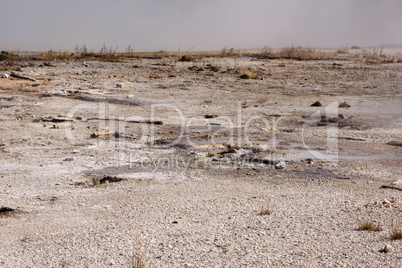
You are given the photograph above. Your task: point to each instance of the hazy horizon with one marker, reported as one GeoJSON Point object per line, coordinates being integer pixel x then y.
{"type": "Point", "coordinates": [197, 25]}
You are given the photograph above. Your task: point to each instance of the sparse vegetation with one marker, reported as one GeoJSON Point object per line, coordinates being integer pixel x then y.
{"type": "Point", "coordinates": [396, 230]}
{"type": "Point", "coordinates": [137, 260]}
{"type": "Point", "coordinates": [82, 52]}
{"type": "Point", "coordinates": [363, 224]}
{"type": "Point", "coordinates": [247, 75]}
{"type": "Point", "coordinates": [155, 76]}
{"type": "Point", "coordinates": [266, 209]}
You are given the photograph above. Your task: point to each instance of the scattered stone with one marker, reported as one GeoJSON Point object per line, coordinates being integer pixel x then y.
{"type": "Point", "coordinates": [280, 165]}
{"type": "Point", "coordinates": [4, 76]}
{"type": "Point", "coordinates": [350, 139]}
{"type": "Point", "coordinates": [395, 143]}
{"type": "Point", "coordinates": [175, 222]}
{"type": "Point", "coordinates": [124, 85]}
{"type": "Point", "coordinates": [344, 105]}
{"type": "Point", "coordinates": [57, 119]}
{"type": "Point", "coordinates": [386, 201]}
{"type": "Point", "coordinates": [308, 161]}
{"type": "Point", "coordinates": [208, 116]}
{"type": "Point", "coordinates": [395, 187]}
{"type": "Point", "coordinates": [389, 249]}
{"type": "Point", "coordinates": [97, 181]}
{"type": "Point", "coordinates": [186, 58]}
{"type": "Point", "coordinates": [109, 179]}
{"type": "Point", "coordinates": [102, 134]}
{"type": "Point", "coordinates": [316, 104]}
{"type": "Point", "coordinates": [397, 183]}
{"type": "Point", "coordinates": [207, 101]}
{"type": "Point", "coordinates": [6, 209]}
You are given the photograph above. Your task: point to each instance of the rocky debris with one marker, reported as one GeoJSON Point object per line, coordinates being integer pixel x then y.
{"type": "Point", "coordinates": [124, 85]}
{"type": "Point", "coordinates": [6, 209]}
{"type": "Point", "coordinates": [4, 76]}
{"type": "Point", "coordinates": [186, 58]}
{"type": "Point", "coordinates": [316, 104]}
{"type": "Point", "coordinates": [280, 165]}
{"type": "Point", "coordinates": [350, 139]}
{"type": "Point", "coordinates": [149, 122]}
{"type": "Point", "coordinates": [102, 134]}
{"type": "Point", "coordinates": [386, 201]}
{"type": "Point", "coordinates": [344, 105]}
{"type": "Point", "coordinates": [392, 186]}
{"type": "Point", "coordinates": [397, 183]}
{"type": "Point", "coordinates": [57, 119]}
{"type": "Point", "coordinates": [209, 116]}
{"type": "Point", "coordinates": [388, 249]}
{"type": "Point", "coordinates": [109, 179]}
{"type": "Point", "coordinates": [395, 143]}
{"type": "Point", "coordinates": [96, 181]}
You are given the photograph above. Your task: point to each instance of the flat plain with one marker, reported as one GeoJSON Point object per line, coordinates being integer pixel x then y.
{"type": "Point", "coordinates": [202, 161]}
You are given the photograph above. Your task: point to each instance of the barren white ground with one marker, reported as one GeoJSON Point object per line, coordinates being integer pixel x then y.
{"type": "Point", "coordinates": [187, 207]}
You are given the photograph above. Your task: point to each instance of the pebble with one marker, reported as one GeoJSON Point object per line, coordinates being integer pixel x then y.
{"type": "Point", "coordinates": [280, 165]}
{"type": "Point", "coordinates": [389, 249]}
{"type": "Point", "coordinates": [386, 201]}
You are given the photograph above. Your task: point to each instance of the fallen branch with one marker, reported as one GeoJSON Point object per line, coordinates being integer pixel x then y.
{"type": "Point", "coordinates": [14, 74]}
{"type": "Point", "coordinates": [392, 187]}
{"type": "Point", "coordinates": [151, 122]}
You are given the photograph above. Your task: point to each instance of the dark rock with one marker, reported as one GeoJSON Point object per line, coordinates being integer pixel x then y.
{"type": "Point", "coordinates": [316, 104]}
{"type": "Point", "coordinates": [344, 105]}
{"type": "Point", "coordinates": [6, 209]}
{"type": "Point", "coordinates": [208, 116]}
{"type": "Point", "coordinates": [395, 143]}
{"type": "Point", "coordinates": [109, 179]}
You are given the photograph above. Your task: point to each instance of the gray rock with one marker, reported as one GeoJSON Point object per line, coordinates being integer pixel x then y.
{"type": "Point", "coordinates": [280, 165]}
{"type": "Point", "coordinates": [389, 249]}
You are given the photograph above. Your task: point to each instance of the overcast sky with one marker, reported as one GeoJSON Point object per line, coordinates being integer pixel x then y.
{"type": "Point", "coordinates": [150, 25]}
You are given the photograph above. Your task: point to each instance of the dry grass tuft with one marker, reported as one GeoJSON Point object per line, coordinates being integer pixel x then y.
{"type": "Point", "coordinates": [248, 75]}
{"type": "Point", "coordinates": [363, 224]}
{"type": "Point", "coordinates": [266, 210]}
{"type": "Point", "coordinates": [155, 76]}
{"type": "Point", "coordinates": [369, 225]}
{"type": "Point", "coordinates": [137, 260]}
{"type": "Point", "coordinates": [396, 230]}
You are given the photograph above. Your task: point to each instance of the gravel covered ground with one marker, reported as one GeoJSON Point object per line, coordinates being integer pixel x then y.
{"type": "Point", "coordinates": [88, 181]}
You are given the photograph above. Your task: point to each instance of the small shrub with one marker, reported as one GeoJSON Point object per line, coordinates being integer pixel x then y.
{"type": "Point", "coordinates": [364, 224]}
{"type": "Point", "coordinates": [369, 225]}
{"type": "Point", "coordinates": [247, 75]}
{"type": "Point", "coordinates": [266, 210]}
{"type": "Point", "coordinates": [155, 76]}
{"type": "Point", "coordinates": [137, 260]}
{"type": "Point", "coordinates": [396, 230]}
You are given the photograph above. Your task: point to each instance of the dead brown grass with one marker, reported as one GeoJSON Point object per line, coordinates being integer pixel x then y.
{"type": "Point", "coordinates": [363, 224]}
{"type": "Point", "coordinates": [396, 229]}
{"type": "Point", "coordinates": [137, 260]}
{"type": "Point", "coordinates": [365, 56]}
{"type": "Point", "coordinates": [266, 209]}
